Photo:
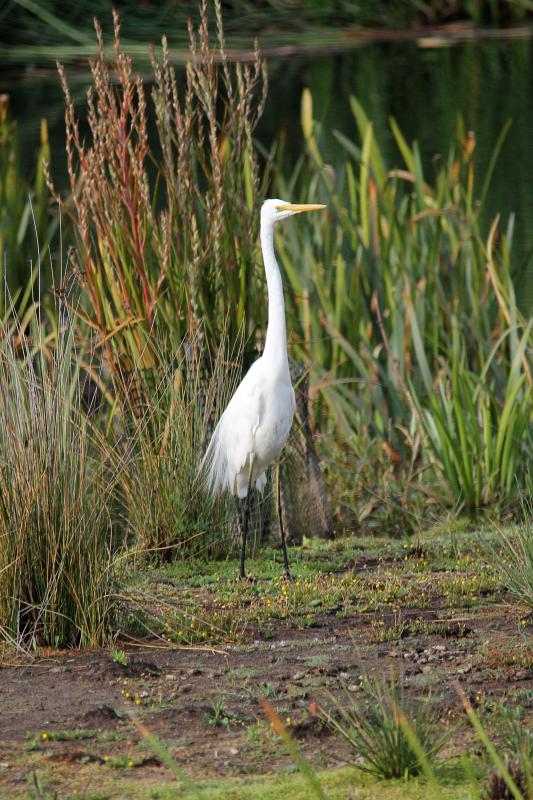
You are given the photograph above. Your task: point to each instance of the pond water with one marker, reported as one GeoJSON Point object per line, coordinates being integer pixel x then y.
{"type": "Point", "coordinates": [424, 87]}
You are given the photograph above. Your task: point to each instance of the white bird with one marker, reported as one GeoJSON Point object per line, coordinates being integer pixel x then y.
{"type": "Point", "coordinates": [251, 432]}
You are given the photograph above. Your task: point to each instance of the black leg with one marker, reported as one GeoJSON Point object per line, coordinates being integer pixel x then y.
{"type": "Point", "coordinates": [245, 523]}
{"type": "Point", "coordinates": [282, 529]}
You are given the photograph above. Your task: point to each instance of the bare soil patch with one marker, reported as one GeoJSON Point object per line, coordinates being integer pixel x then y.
{"type": "Point", "coordinates": [202, 701]}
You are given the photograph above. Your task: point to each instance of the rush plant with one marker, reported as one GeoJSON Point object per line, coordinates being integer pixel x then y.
{"type": "Point", "coordinates": [372, 724]}
{"type": "Point", "coordinates": [56, 497]}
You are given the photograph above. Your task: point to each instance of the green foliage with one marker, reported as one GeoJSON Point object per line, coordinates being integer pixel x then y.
{"type": "Point", "coordinates": [404, 306]}
{"type": "Point", "coordinates": [372, 724]}
{"type": "Point", "coordinates": [119, 657]}
{"type": "Point", "coordinates": [56, 515]}
{"type": "Point", "coordinates": [480, 431]}
{"type": "Point", "coordinates": [219, 716]}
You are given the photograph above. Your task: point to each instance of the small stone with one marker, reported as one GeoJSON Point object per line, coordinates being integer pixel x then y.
{"type": "Point", "coordinates": [170, 677]}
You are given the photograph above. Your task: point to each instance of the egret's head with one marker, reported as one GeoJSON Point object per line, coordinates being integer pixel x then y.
{"type": "Point", "coordinates": [274, 210]}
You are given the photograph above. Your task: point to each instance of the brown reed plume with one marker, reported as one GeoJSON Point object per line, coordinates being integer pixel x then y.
{"type": "Point", "coordinates": [165, 219]}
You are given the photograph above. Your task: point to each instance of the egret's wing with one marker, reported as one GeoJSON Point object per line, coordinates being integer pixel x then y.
{"type": "Point", "coordinates": [231, 445]}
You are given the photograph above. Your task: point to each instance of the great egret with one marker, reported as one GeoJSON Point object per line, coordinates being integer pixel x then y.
{"type": "Point", "coordinates": [251, 432]}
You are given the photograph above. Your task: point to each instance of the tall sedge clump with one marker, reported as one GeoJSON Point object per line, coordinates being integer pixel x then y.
{"type": "Point", "coordinates": [56, 487]}
{"type": "Point", "coordinates": [165, 230]}
{"type": "Point", "coordinates": [479, 427]}
{"type": "Point", "coordinates": [167, 514]}
{"type": "Point", "coordinates": [372, 724]}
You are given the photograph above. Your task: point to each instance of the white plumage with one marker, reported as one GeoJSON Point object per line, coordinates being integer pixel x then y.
{"type": "Point", "coordinates": [254, 426]}
{"type": "Point", "coordinates": [251, 432]}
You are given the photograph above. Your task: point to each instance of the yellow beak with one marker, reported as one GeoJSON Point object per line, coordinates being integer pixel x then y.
{"type": "Point", "coordinates": [297, 208]}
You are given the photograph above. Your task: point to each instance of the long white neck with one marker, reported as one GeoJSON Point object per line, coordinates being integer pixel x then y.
{"type": "Point", "coordinates": [276, 337]}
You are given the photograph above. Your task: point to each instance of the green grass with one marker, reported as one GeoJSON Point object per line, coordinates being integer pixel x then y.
{"type": "Point", "coordinates": [206, 603]}
{"type": "Point", "coordinates": [167, 422]}
{"type": "Point", "coordinates": [169, 250]}
{"type": "Point", "coordinates": [62, 736]}
{"type": "Point", "coordinates": [339, 784]}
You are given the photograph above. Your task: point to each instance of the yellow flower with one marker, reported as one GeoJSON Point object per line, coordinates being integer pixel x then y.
{"type": "Point", "coordinates": [44, 735]}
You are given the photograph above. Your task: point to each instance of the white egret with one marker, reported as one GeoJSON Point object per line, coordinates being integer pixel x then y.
{"type": "Point", "coordinates": [251, 432]}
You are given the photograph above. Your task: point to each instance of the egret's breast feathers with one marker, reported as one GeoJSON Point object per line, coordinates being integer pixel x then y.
{"type": "Point", "coordinates": [253, 429]}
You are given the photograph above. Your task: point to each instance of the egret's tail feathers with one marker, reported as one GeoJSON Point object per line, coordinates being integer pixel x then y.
{"type": "Point", "coordinates": [213, 467]}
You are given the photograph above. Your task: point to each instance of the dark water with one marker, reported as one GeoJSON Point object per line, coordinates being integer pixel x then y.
{"type": "Point", "coordinates": [487, 82]}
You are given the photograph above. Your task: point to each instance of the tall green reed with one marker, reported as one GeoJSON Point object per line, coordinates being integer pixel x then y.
{"type": "Point", "coordinates": [400, 288]}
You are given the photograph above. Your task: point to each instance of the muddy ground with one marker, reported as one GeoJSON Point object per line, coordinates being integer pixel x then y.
{"type": "Point", "coordinates": [67, 717]}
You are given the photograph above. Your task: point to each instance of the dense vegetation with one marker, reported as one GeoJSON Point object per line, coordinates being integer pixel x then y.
{"type": "Point", "coordinates": [401, 305]}
{"type": "Point", "coordinates": [144, 302]}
